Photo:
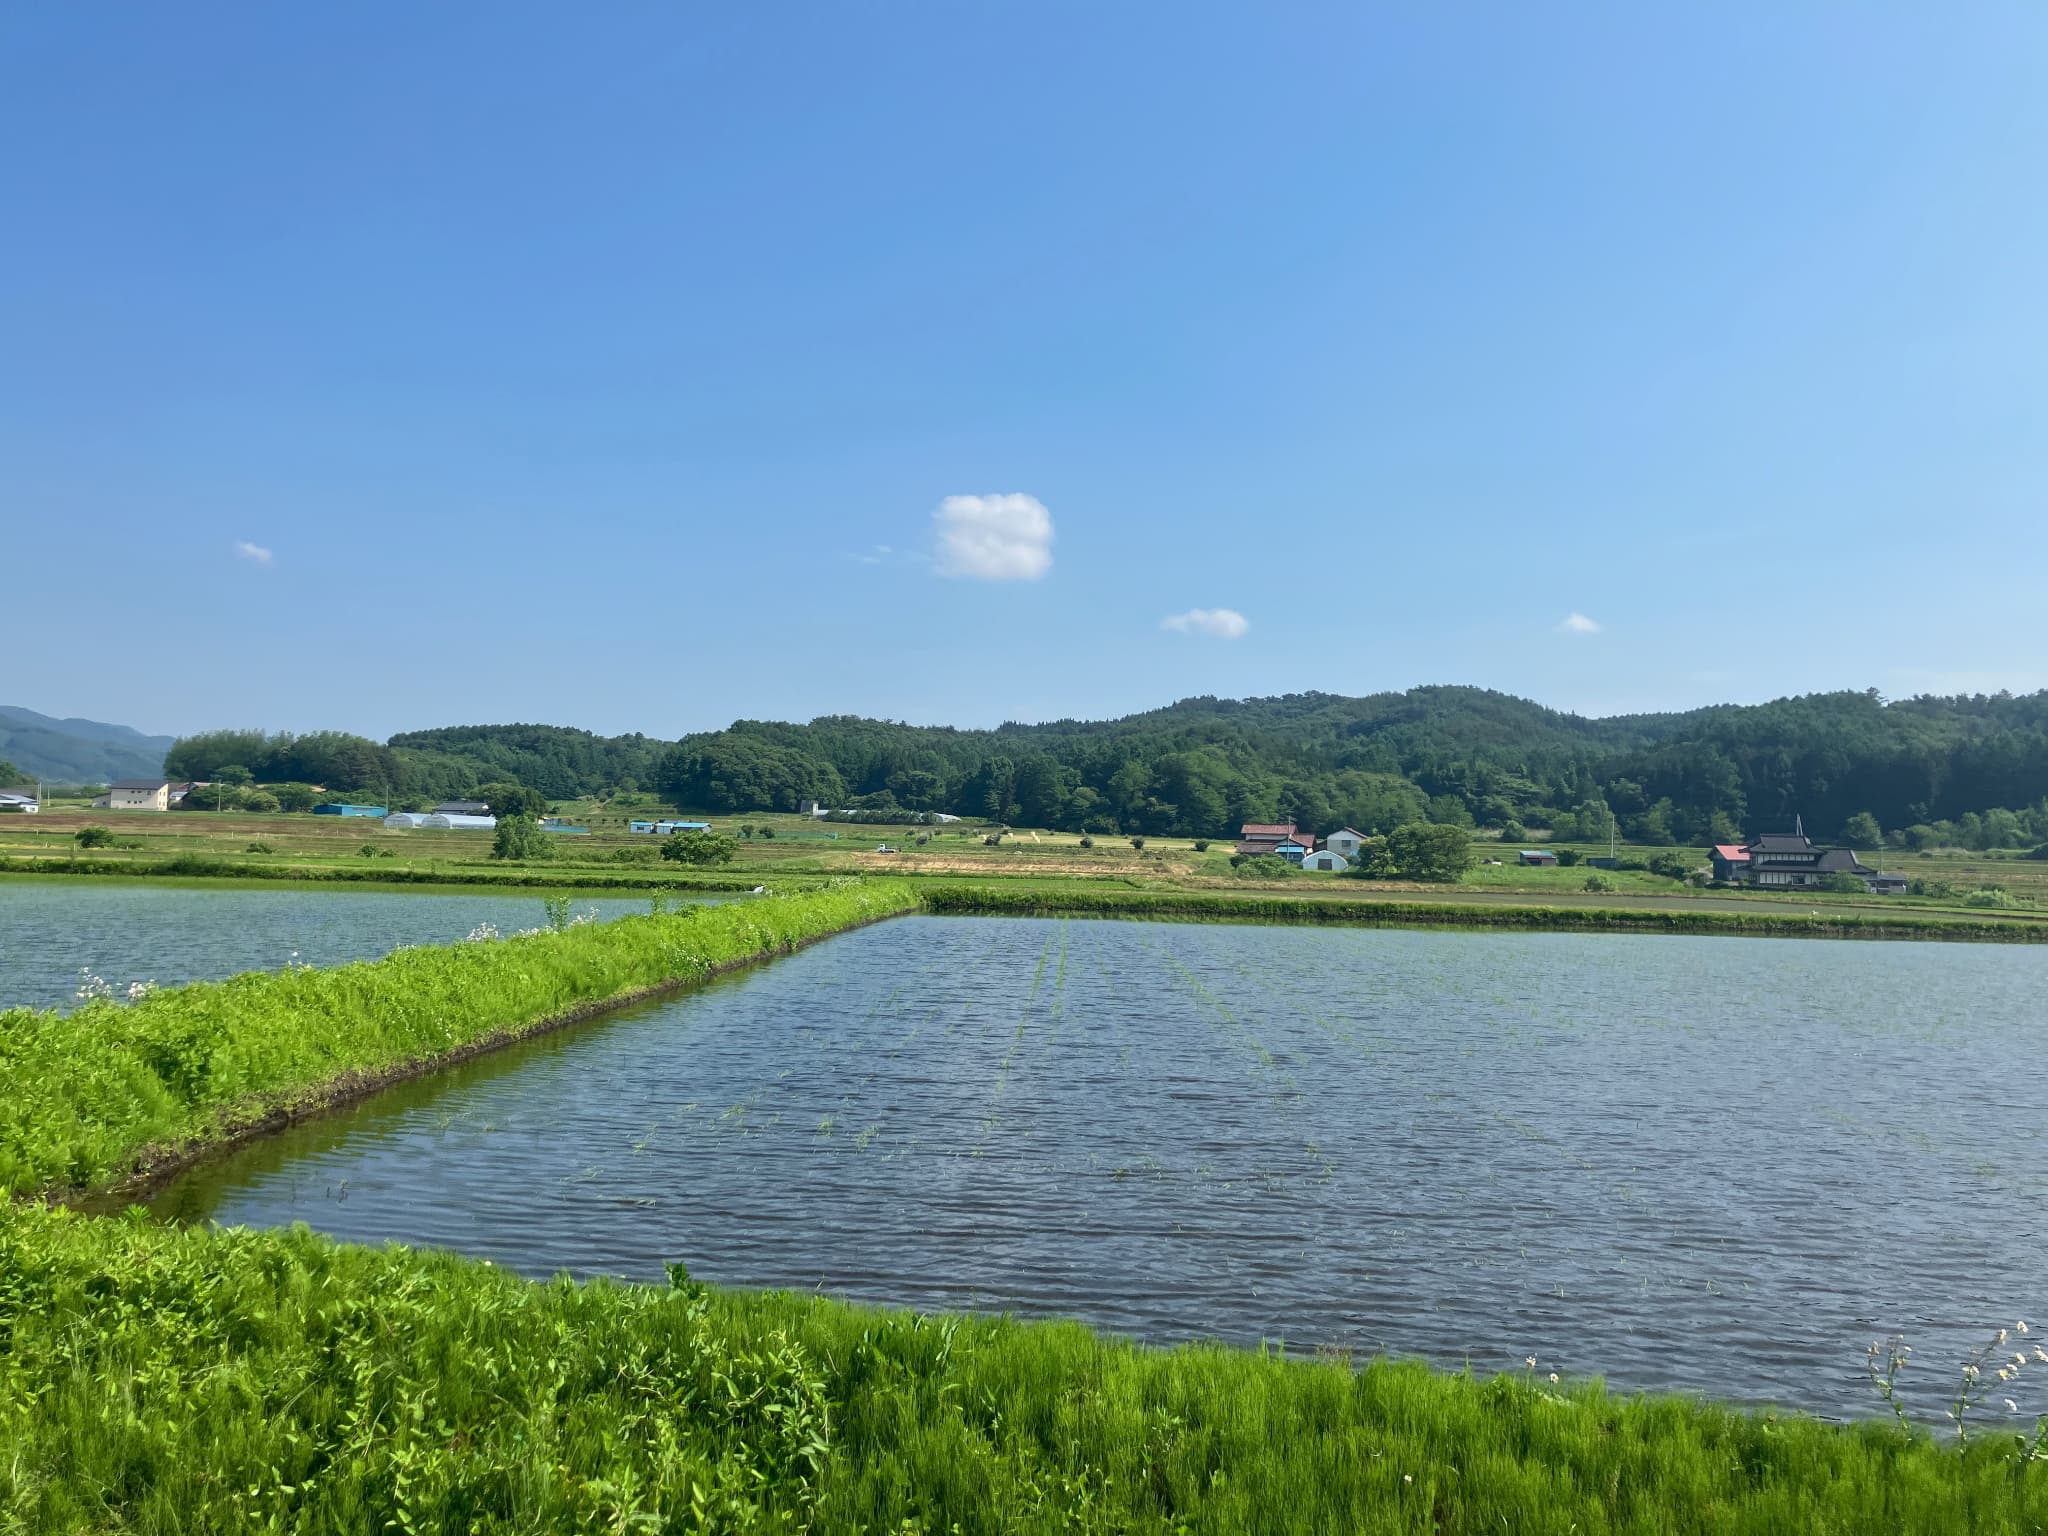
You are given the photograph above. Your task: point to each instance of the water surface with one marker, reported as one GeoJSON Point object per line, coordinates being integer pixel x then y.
{"type": "Point", "coordinates": [1707, 1164]}
{"type": "Point", "coordinates": [53, 931]}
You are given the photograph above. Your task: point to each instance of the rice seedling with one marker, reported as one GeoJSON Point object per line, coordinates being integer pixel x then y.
{"type": "Point", "coordinates": [159, 1379]}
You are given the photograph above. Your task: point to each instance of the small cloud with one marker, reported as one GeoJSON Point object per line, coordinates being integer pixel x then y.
{"type": "Point", "coordinates": [256, 552]}
{"type": "Point", "coordinates": [1223, 623]}
{"type": "Point", "coordinates": [994, 538]}
{"type": "Point", "coordinates": [1578, 624]}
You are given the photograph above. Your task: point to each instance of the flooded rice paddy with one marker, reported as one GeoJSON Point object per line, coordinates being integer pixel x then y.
{"type": "Point", "coordinates": [55, 932]}
{"type": "Point", "coordinates": [1696, 1164]}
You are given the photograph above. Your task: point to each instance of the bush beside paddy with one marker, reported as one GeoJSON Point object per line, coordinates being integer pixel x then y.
{"type": "Point", "coordinates": [158, 1379]}
{"type": "Point", "coordinates": [92, 1093]}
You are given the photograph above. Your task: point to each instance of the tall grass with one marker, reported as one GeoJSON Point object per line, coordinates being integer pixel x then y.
{"type": "Point", "coordinates": [159, 1380]}
{"type": "Point", "coordinates": [988, 900]}
{"type": "Point", "coordinates": [91, 1094]}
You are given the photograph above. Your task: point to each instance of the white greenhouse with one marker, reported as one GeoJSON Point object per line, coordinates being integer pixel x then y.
{"type": "Point", "coordinates": [449, 822]}
{"type": "Point", "coordinates": [403, 819]}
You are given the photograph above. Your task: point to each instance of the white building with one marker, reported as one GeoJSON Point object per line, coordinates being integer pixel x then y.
{"type": "Point", "coordinates": [25, 801]}
{"type": "Point", "coordinates": [139, 795]}
{"type": "Point", "coordinates": [1329, 861]}
{"type": "Point", "coordinates": [1346, 841]}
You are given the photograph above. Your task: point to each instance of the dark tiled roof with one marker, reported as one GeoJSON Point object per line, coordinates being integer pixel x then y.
{"type": "Point", "coordinates": [1780, 842]}
{"type": "Point", "coordinates": [140, 784]}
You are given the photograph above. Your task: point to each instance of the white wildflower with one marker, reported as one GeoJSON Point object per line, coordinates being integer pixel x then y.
{"type": "Point", "coordinates": [1530, 1361]}
{"type": "Point", "coordinates": [2011, 1406]}
{"type": "Point", "coordinates": [1553, 1376]}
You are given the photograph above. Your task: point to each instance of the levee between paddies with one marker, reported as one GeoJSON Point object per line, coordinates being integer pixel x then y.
{"type": "Point", "coordinates": [112, 1092]}
{"type": "Point", "coordinates": [969, 900]}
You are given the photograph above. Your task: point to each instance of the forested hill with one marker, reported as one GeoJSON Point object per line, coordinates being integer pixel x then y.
{"type": "Point", "coordinates": [1968, 770]}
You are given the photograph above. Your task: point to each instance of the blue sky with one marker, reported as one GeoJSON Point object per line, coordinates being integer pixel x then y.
{"type": "Point", "coordinates": [642, 367]}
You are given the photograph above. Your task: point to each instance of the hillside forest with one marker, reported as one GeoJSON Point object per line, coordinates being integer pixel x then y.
{"type": "Point", "coordinates": [1969, 771]}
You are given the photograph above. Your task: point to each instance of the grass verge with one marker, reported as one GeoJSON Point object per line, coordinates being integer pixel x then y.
{"type": "Point", "coordinates": [110, 1090]}
{"type": "Point", "coordinates": [157, 1380]}
{"type": "Point", "coordinates": [982, 900]}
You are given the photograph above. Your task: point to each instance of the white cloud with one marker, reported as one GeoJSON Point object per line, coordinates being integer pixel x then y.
{"type": "Point", "coordinates": [1578, 624]}
{"type": "Point", "coordinates": [1223, 623]}
{"type": "Point", "coordinates": [249, 551]}
{"type": "Point", "coordinates": [994, 538]}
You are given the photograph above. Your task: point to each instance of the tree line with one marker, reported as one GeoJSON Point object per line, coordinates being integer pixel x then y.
{"type": "Point", "coordinates": [1967, 771]}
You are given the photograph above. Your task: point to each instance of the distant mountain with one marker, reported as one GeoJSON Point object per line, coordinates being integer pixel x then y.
{"type": "Point", "coordinates": [77, 751]}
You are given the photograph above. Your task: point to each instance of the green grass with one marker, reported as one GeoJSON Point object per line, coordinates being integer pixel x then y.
{"type": "Point", "coordinates": [95, 1094]}
{"type": "Point", "coordinates": [165, 1380]}
{"type": "Point", "coordinates": [1192, 906]}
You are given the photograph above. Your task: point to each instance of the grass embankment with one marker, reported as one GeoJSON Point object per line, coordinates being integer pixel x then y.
{"type": "Point", "coordinates": [110, 1089]}
{"type": "Point", "coordinates": [967, 900]}
{"type": "Point", "coordinates": [523, 876]}
{"type": "Point", "coordinates": [157, 1379]}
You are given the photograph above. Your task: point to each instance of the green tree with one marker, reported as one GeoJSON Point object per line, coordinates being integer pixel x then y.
{"type": "Point", "coordinates": [1843, 884]}
{"type": "Point", "coordinates": [1862, 831]}
{"type": "Point", "coordinates": [1430, 851]}
{"type": "Point", "coordinates": [520, 837]}
{"type": "Point", "coordinates": [700, 849]}
{"type": "Point", "coordinates": [9, 774]}
{"type": "Point", "coordinates": [513, 800]}
{"type": "Point", "coordinates": [296, 797]}
{"type": "Point", "coordinates": [94, 837]}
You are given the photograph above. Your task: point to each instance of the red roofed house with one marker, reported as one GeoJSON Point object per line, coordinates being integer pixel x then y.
{"type": "Point", "coordinates": [1731, 861]}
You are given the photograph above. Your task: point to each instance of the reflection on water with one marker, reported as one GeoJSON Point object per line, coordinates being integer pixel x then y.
{"type": "Point", "coordinates": [1683, 1163]}
{"type": "Point", "coordinates": [51, 930]}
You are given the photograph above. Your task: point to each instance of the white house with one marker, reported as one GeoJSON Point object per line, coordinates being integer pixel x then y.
{"type": "Point", "coordinates": [139, 795]}
{"type": "Point", "coordinates": [1345, 841]}
{"type": "Point", "coordinates": [1329, 861]}
{"type": "Point", "coordinates": [25, 801]}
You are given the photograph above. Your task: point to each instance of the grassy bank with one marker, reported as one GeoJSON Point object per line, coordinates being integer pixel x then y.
{"type": "Point", "coordinates": [158, 1380]}
{"type": "Point", "coordinates": [98, 1094]}
{"type": "Point", "coordinates": [1191, 906]}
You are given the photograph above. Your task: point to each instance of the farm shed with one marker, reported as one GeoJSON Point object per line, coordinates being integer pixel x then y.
{"type": "Point", "coordinates": [139, 795]}
{"type": "Point", "coordinates": [441, 823]}
{"type": "Point", "coordinates": [556, 824]}
{"type": "Point", "coordinates": [1536, 856]}
{"type": "Point", "coordinates": [26, 801]}
{"type": "Point", "coordinates": [461, 808]}
{"type": "Point", "coordinates": [341, 808]}
{"type": "Point", "coordinates": [1292, 849]}
{"type": "Point", "coordinates": [663, 828]}
{"type": "Point", "coordinates": [1329, 861]}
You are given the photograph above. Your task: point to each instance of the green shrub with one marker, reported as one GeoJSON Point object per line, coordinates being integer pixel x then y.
{"type": "Point", "coordinates": [1991, 896]}
{"type": "Point", "coordinates": [94, 837]}
{"type": "Point", "coordinates": [1597, 883]}
{"type": "Point", "coordinates": [1201, 845]}
{"type": "Point", "coordinates": [702, 850]}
